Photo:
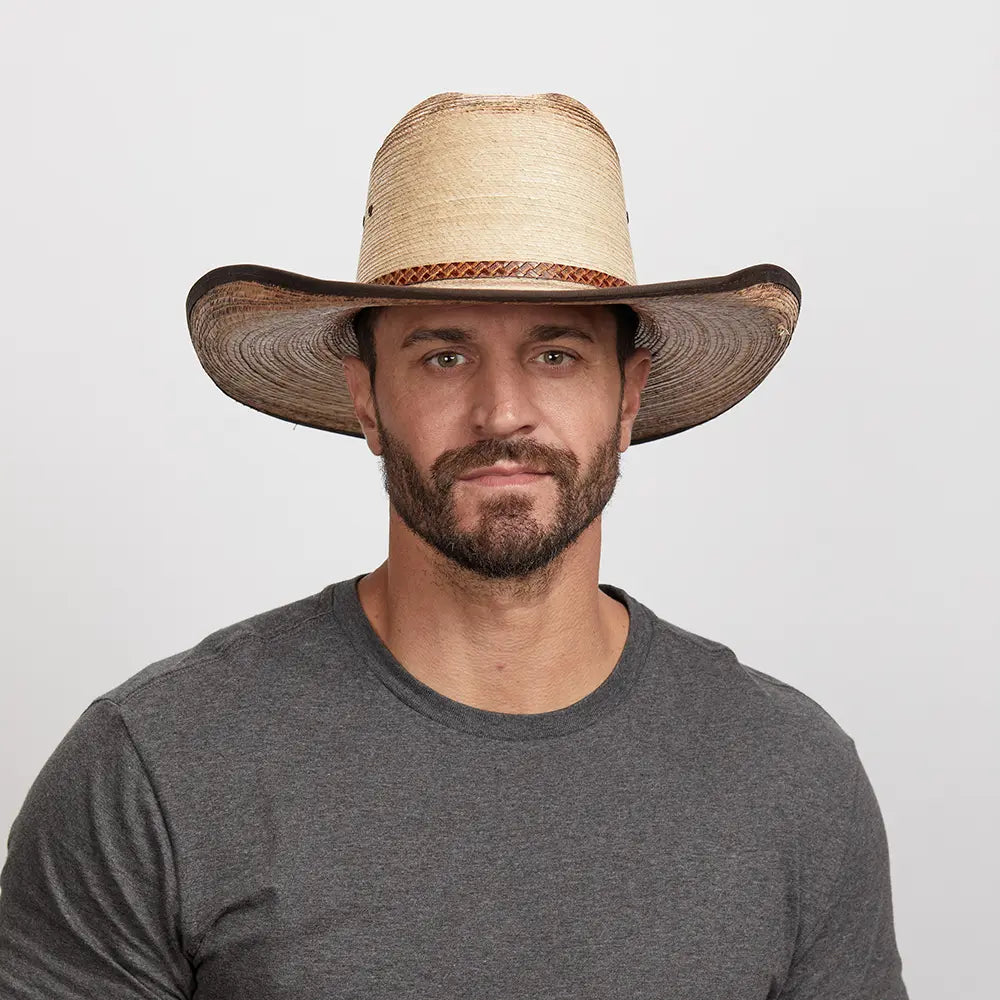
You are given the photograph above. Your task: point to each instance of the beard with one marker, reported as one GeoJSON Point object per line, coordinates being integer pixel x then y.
{"type": "Point", "coordinates": [507, 541]}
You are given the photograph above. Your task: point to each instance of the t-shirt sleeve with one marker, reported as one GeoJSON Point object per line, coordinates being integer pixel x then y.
{"type": "Point", "coordinates": [848, 950]}
{"type": "Point", "coordinates": [89, 900]}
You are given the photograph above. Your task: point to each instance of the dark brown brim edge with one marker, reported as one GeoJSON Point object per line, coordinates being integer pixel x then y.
{"type": "Point", "coordinates": [271, 276]}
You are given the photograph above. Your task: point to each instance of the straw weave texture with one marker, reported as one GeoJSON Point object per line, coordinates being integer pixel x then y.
{"type": "Point", "coordinates": [277, 349]}
{"type": "Point", "coordinates": [497, 178]}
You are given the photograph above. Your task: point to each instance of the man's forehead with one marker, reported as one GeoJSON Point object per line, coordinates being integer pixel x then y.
{"type": "Point", "coordinates": [523, 318]}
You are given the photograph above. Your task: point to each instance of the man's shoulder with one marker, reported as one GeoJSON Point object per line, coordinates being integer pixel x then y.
{"type": "Point", "coordinates": [720, 667]}
{"type": "Point", "coordinates": [744, 707]}
{"type": "Point", "coordinates": [239, 653]}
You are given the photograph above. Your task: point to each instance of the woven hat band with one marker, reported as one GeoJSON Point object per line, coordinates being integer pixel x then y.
{"type": "Point", "coordinates": [528, 270]}
{"type": "Point", "coordinates": [466, 180]}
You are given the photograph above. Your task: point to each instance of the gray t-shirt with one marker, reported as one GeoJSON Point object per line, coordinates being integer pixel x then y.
{"type": "Point", "coordinates": [284, 813]}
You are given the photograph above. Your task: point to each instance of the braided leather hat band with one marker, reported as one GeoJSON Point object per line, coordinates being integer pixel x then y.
{"type": "Point", "coordinates": [499, 269]}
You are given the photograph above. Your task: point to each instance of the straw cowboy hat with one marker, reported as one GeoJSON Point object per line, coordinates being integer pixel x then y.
{"type": "Point", "coordinates": [486, 198]}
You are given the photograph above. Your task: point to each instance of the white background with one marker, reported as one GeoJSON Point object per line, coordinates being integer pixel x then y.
{"type": "Point", "coordinates": [836, 529]}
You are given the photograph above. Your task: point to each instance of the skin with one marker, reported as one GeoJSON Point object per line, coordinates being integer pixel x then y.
{"type": "Point", "coordinates": [536, 641]}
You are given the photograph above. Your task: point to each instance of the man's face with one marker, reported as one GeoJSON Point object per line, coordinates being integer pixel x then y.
{"type": "Point", "coordinates": [499, 426]}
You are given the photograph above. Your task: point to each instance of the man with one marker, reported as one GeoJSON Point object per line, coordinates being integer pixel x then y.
{"type": "Point", "coordinates": [473, 771]}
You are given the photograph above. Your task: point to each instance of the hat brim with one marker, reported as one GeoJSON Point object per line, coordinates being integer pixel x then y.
{"type": "Point", "coordinates": [273, 339]}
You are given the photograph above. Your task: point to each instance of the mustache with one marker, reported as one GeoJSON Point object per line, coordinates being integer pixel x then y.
{"type": "Point", "coordinates": [449, 465]}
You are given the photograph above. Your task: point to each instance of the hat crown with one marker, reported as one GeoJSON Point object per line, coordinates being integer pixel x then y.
{"type": "Point", "coordinates": [499, 190]}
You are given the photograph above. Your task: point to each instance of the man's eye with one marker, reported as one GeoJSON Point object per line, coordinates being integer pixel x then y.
{"type": "Point", "coordinates": [556, 359]}
{"type": "Point", "coordinates": [446, 359]}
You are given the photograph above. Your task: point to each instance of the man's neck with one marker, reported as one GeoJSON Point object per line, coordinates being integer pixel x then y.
{"type": "Point", "coordinates": [521, 646]}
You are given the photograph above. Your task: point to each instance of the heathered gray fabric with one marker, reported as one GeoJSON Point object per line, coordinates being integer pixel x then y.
{"type": "Point", "coordinates": [284, 812]}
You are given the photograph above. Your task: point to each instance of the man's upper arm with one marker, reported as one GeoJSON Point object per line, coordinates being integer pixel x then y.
{"type": "Point", "coordinates": [847, 951]}
{"type": "Point", "coordinates": [89, 902]}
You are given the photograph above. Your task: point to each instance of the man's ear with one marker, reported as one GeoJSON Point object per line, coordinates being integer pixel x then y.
{"type": "Point", "coordinates": [636, 373]}
{"type": "Point", "coordinates": [359, 383]}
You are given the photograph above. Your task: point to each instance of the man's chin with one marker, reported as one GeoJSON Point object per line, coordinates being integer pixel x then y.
{"type": "Point", "coordinates": [506, 548]}
{"type": "Point", "coordinates": [502, 511]}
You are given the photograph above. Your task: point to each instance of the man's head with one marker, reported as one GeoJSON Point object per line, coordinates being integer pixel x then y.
{"type": "Point", "coordinates": [499, 426]}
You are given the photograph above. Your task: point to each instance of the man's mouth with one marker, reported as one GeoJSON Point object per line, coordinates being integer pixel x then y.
{"type": "Point", "coordinates": [504, 475]}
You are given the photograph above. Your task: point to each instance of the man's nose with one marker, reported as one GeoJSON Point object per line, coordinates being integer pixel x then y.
{"type": "Point", "coordinates": [502, 402]}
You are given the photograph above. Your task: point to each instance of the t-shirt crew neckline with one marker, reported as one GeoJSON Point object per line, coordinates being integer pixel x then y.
{"type": "Point", "coordinates": [499, 725]}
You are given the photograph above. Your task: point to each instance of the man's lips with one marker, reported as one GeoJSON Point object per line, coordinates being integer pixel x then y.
{"type": "Point", "coordinates": [503, 475]}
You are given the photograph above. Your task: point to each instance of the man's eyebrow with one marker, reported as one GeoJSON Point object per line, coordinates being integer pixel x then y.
{"type": "Point", "coordinates": [449, 334]}
{"type": "Point", "coordinates": [547, 330]}
{"type": "Point", "coordinates": [456, 335]}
